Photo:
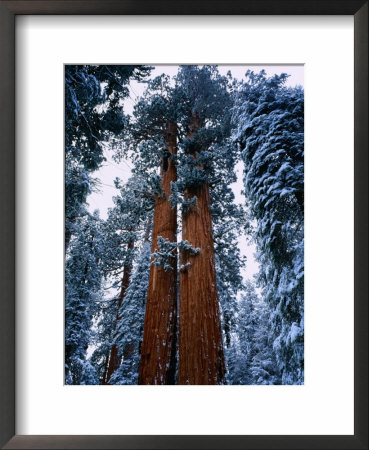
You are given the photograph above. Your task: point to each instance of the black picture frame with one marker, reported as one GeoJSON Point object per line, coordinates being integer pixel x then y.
{"type": "Point", "coordinates": [8, 12]}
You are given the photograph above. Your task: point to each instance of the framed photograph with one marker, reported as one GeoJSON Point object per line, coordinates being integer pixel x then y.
{"type": "Point", "coordinates": [186, 206]}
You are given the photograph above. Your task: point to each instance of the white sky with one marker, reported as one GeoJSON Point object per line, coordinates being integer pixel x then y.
{"type": "Point", "coordinates": [110, 170]}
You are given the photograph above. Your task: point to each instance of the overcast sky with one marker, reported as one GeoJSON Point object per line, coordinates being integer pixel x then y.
{"type": "Point", "coordinates": [110, 170]}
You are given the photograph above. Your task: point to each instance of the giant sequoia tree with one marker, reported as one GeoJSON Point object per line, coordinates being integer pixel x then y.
{"type": "Point", "coordinates": [204, 99]}
{"type": "Point", "coordinates": [152, 142]}
{"type": "Point", "coordinates": [188, 114]}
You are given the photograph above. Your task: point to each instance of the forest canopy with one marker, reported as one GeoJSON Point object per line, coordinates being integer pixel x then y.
{"type": "Point", "coordinates": [155, 291]}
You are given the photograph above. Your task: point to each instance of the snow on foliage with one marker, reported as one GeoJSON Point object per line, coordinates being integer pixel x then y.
{"type": "Point", "coordinates": [82, 290]}
{"type": "Point", "coordinates": [130, 326]}
{"type": "Point", "coordinates": [269, 128]}
{"type": "Point", "coordinates": [217, 122]}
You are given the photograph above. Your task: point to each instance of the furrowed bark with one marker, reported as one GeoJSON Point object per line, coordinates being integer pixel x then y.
{"type": "Point", "coordinates": [157, 363]}
{"type": "Point", "coordinates": [201, 356]}
{"type": "Point", "coordinates": [114, 357]}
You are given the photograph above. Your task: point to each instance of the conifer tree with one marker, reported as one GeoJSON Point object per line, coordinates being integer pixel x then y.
{"type": "Point", "coordinates": [242, 348]}
{"type": "Point", "coordinates": [251, 359]}
{"type": "Point", "coordinates": [269, 127]}
{"type": "Point", "coordinates": [204, 99]}
{"type": "Point", "coordinates": [263, 367]}
{"type": "Point", "coordinates": [157, 364]}
{"type": "Point", "coordinates": [163, 106]}
{"type": "Point", "coordinates": [83, 279]}
{"type": "Point", "coordinates": [123, 231]}
{"type": "Point", "coordinates": [114, 357]}
{"type": "Point", "coordinates": [228, 218]}
{"type": "Point", "coordinates": [132, 312]}
{"type": "Point", "coordinates": [152, 142]}
{"type": "Point", "coordinates": [93, 115]}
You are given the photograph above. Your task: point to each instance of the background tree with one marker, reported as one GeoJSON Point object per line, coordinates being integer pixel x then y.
{"type": "Point", "coordinates": [251, 358]}
{"type": "Point", "coordinates": [263, 366]}
{"type": "Point", "coordinates": [130, 327]}
{"type": "Point", "coordinates": [83, 280]}
{"type": "Point", "coordinates": [242, 349]}
{"type": "Point", "coordinates": [123, 233]}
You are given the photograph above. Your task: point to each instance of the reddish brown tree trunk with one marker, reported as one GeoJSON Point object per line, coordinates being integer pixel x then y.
{"type": "Point", "coordinates": [157, 364]}
{"type": "Point", "coordinates": [201, 356]}
{"type": "Point", "coordinates": [114, 357]}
